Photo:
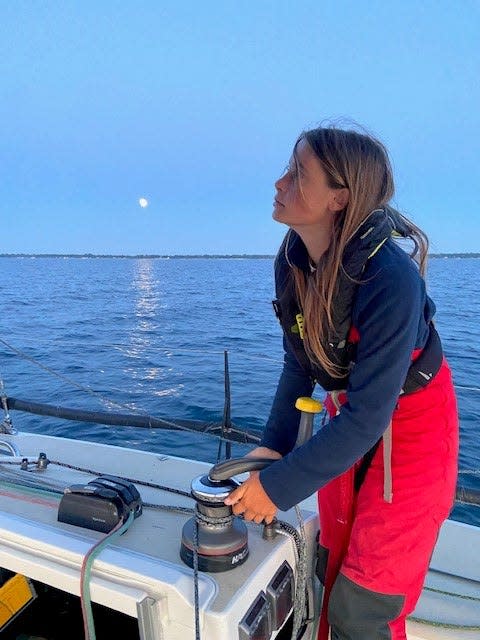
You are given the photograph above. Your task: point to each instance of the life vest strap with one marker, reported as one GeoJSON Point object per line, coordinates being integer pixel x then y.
{"type": "Point", "coordinates": [387, 464]}
{"type": "Point", "coordinates": [424, 368]}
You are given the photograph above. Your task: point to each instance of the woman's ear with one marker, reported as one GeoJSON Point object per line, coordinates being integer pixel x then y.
{"type": "Point", "coordinates": [340, 199]}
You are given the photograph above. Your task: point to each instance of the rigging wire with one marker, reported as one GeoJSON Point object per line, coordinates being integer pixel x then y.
{"type": "Point", "coordinates": [65, 465]}
{"type": "Point", "coordinates": [459, 386]}
{"type": "Point", "coordinates": [107, 401]}
{"type": "Point", "coordinates": [111, 403]}
{"type": "Point", "coordinates": [64, 378]}
{"type": "Point", "coordinates": [159, 348]}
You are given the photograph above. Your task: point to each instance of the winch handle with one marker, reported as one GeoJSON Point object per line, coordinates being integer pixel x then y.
{"type": "Point", "coordinates": [308, 408]}
{"type": "Point", "coordinates": [224, 470]}
{"type": "Point", "coordinates": [235, 466]}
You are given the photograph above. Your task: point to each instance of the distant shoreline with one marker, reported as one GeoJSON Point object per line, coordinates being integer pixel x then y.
{"type": "Point", "coordinates": [233, 256]}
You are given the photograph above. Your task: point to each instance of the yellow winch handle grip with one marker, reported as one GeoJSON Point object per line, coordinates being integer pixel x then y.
{"type": "Point", "coordinates": [310, 405]}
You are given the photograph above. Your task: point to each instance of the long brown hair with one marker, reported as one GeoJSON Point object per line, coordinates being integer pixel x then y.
{"type": "Point", "coordinates": [360, 163]}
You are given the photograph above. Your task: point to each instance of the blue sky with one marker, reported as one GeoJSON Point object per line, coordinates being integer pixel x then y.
{"type": "Point", "coordinates": [195, 106]}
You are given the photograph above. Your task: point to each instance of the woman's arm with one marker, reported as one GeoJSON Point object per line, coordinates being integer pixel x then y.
{"type": "Point", "coordinates": [388, 312]}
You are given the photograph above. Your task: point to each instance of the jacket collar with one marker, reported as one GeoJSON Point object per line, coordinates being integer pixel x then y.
{"type": "Point", "coordinates": [370, 235]}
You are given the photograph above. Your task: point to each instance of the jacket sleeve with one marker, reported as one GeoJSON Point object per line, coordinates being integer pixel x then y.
{"type": "Point", "coordinates": [387, 314]}
{"type": "Point", "coordinates": [282, 426]}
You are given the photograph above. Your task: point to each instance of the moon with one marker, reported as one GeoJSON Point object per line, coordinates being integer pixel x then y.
{"type": "Point", "coordinates": [143, 202]}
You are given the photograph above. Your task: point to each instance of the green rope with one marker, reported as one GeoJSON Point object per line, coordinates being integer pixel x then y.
{"type": "Point", "coordinates": [450, 593]}
{"type": "Point", "coordinates": [30, 490]}
{"type": "Point", "coordinates": [448, 625]}
{"type": "Point", "coordinates": [445, 625]}
{"type": "Point", "coordinates": [86, 569]}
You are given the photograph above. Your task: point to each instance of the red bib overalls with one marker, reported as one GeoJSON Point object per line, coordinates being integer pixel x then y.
{"type": "Point", "coordinates": [378, 552]}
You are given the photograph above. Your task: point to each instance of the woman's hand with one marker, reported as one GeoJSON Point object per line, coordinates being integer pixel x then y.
{"type": "Point", "coordinates": [251, 499]}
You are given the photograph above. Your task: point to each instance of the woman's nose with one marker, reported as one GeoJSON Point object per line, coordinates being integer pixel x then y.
{"type": "Point", "coordinates": [281, 182]}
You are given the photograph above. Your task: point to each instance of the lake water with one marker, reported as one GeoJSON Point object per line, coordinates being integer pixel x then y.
{"type": "Point", "coordinates": [148, 335]}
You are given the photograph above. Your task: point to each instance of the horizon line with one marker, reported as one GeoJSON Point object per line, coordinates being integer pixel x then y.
{"type": "Point", "coordinates": [454, 254]}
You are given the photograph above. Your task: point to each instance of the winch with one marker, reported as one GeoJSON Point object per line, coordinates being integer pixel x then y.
{"type": "Point", "coordinates": [222, 537]}
{"type": "Point", "coordinates": [222, 541]}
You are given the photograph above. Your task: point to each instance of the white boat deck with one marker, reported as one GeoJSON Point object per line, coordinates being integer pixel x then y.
{"type": "Point", "coordinates": [142, 567]}
{"type": "Point", "coordinates": [141, 573]}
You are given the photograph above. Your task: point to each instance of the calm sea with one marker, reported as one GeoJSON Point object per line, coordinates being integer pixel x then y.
{"type": "Point", "coordinates": [148, 335]}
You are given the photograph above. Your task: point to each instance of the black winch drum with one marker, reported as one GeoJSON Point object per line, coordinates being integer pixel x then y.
{"type": "Point", "coordinates": [222, 538]}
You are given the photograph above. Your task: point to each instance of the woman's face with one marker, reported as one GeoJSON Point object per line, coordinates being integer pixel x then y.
{"type": "Point", "coordinates": [303, 196]}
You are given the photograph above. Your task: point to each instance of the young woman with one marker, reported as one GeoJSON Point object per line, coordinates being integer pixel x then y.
{"type": "Point", "coordinates": [357, 321]}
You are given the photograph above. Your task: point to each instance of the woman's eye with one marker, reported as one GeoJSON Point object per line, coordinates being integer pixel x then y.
{"type": "Point", "coordinates": [292, 171]}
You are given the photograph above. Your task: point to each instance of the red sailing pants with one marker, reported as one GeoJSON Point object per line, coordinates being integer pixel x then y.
{"type": "Point", "coordinates": [381, 548]}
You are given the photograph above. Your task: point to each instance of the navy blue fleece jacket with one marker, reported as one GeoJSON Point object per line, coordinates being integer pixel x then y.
{"type": "Point", "coordinates": [391, 313]}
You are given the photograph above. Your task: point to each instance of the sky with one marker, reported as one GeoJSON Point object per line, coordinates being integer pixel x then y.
{"type": "Point", "coordinates": [196, 106]}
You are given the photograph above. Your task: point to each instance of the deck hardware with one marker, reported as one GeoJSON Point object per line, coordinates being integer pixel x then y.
{"type": "Point", "coordinates": [280, 593]}
{"type": "Point", "coordinates": [11, 447]}
{"type": "Point", "coordinates": [6, 426]}
{"type": "Point", "coordinates": [100, 504]}
{"type": "Point", "coordinates": [42, 462]}
{"type": "Point", "coordinates": [222, 537]}
{"type": "Point", "coordinates": [270, 530]}
{"type": "Point", "coordinates": [256, 624]}
{"type": "Point", "coordinates": [147, 614]}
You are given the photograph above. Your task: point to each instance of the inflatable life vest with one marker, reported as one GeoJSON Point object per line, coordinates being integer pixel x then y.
{"type": "Point", "coordinates": [340, 345]}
